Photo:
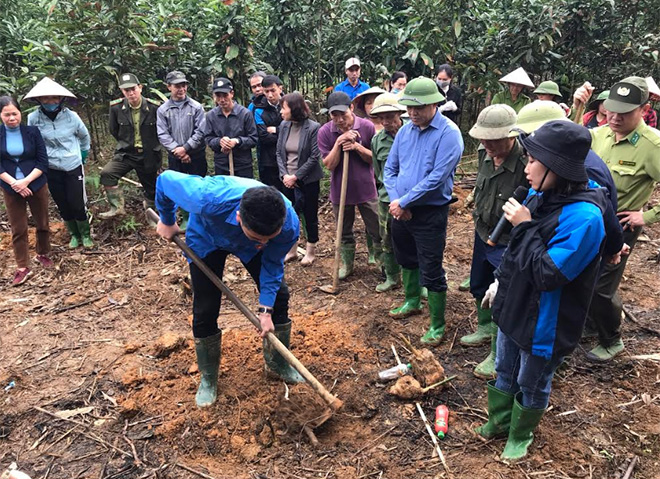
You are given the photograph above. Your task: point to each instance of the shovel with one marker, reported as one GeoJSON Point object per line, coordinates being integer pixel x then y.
{"type": "Point", "coordinates": [333, 402]}
{"type": "Point", "coordinates": [334, 287]}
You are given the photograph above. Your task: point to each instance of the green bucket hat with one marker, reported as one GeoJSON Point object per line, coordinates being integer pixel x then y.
{"type": "Point", "coordinates": [628, 94]}
{"type": "Point", "coordinates": [421, 91]}
{"type": "Point", "coordinates": [533, 115]}
{"type": "Point", "coordinates": [494, 122]}
{"type": "Point", "coordinates": [549, 88]}
{"type": "Point", "coordinates": [602, 96]}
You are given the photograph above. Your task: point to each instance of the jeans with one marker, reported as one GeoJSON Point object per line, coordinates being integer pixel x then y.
{"type": "Point", "coordinates": [485, 260]}
{"type": "Point", "coordinates": [420, 243]}
{"type": "Point", "coordinates": [519, 370]}
{"type": "Point", "coordinates": [206, 295]}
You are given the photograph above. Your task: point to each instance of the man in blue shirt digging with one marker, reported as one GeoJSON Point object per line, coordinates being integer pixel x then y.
{"type": "Point", "coordinates": [257, 224]}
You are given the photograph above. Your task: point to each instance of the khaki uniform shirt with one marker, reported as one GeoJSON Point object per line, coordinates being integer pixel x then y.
{"type": "Point", "coordinates": [381, 144]}
{"type": "Point", "coordinates": [135, 112]}
{"type": "Point", "coordinates": [504, 97]}
{"type": "Point", "coordinates": [635, 165]}
{"type": "Point", "coordinates": [494, 187]}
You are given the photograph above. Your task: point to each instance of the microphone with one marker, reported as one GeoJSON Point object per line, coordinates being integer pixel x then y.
{"type": "Point", "coordinates": [503, 226]}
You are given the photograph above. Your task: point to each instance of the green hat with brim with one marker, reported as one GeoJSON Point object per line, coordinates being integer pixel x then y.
{"type": "Point", "coordinates": [628, 94]}
{"type": "Point", "coordinates": [494, 123]}
{"type": "Point", "coordinates": [421, 91]}
{"type": "Point", "coordinates": [548, 88]}
{"type": "Point", "coordinates": [534, 115]}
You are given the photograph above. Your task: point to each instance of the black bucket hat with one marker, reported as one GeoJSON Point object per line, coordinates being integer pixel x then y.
{"type": "Point", "coordinates": [562, 147]}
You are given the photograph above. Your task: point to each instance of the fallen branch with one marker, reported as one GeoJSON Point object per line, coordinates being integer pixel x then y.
{"type": "Point", "coordinates": [190, 469]}
{"type": "Point", "coordinates": [631, 467]}
{"type": "Point", "coordinates": [433, 438]}
{"type": "Point", "coordinates": [77, 305]}
{"type": "Point", "coordinates": [634, 319]}
{"type": "Point", "coordinates": [374, 441]}
{"type": "Point", "coordinates": [128, 180]}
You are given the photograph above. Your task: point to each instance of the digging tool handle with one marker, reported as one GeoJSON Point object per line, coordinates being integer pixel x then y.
{"type": "Point", "coordinates": [340, 221]}
{"type": "Point", "coordinates": [579, 112]}
{"type": "Point", "coordinates": [231, 162]}
{"type": "Point", "coordinates": [331, 400]}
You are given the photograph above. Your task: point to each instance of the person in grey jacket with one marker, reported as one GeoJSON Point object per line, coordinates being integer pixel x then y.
{"type": "Point", "coordinates": [67, 142]}
{"type": "Point", "coordinates": [299, 163]}
{"type": "Point", "coordinates": [180, 123]}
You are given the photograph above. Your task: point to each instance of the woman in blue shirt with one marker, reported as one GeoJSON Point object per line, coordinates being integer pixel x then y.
{"type": "Point", "coordinates": [67, 142]}
{"type": "Point", "coordinates": [23, 164]}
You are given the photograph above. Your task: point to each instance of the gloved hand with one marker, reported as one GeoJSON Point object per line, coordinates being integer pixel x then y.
{"type": "Point", "coordinates": [489, 297]}
{"type": "Point", "coordinates": [449, 106]}
{"type": "Point", "coordinates": [84, 154]}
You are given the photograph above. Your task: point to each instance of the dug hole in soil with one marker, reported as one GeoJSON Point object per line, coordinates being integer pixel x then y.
{"type": "Point", "coordinates": [98, 374]}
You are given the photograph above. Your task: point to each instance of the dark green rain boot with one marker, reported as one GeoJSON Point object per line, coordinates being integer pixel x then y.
{"type": "Point", "coordinates": [116, 200]}
{"type": "Point", "coordinates": [347, 253]}
{"type": "Point", "coordinates": [208, 362]}
{"type": "Point", "coordinates": [413, 303]}
{"type": "Point", "coordinates": [437, 304]}
{"type": "Point", "coordinates": [521, 433]}
{"type": "Point", "coordinates": [185, 216]}
{"type": "Point", "coordinates": [275, 362]}
{"type": "Point", "coordinates": [392, 273]}
{"type": "Point", "coordinates": [484, 328]}
{"type": "Point", "coordinates": [371, 249]}
{"type": "Point", "coordinates": [500, 404]}
{"type": "Point", "coordinates": [72, 226]}
{"type": "Point", "coordinates": [486, 368]}
{"type": "Point", "coordinates": [85, 234]}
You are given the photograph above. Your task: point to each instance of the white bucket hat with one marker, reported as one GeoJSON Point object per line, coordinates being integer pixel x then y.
{"type": "Point", "coordinates": [48, 87]}
{"type": "Point", "coordinates": [518, 76]}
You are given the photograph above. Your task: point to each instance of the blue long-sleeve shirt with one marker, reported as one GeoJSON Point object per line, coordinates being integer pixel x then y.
{"type": "Point", "coordinates": [213, 203]}
{"type": "Point", "coordinates": [421, 164]}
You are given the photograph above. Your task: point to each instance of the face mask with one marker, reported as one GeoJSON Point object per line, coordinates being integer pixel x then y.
{"type": "Point", "coordinates": [395, 90]}
{"type": "Point", "coordinates": [442, 83]}
{"type": "Point", "coordinates": [50, 107]}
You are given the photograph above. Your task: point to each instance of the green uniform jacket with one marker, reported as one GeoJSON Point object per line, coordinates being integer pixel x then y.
{"type": "Point", "coordinates": [381, 144]}
{"type": "Point", "coordinates": [123, 130]}
{"type": "Point", "coordinates": [635, 165]}
{"type": "Point", "coordinates": [504, 97]}
{"type": "Point", "coordinates": [494, 187]}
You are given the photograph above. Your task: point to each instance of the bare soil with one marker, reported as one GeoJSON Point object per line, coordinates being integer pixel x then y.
{"type": "Point", "coordinates": [106, 336]}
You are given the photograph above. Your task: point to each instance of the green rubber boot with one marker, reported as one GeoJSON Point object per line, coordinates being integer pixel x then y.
{"type": "Point", "coordinates": [437, 304]}
{"type": "Point", "coordinates": [484, 328]}
{"type": "Point", "coordinates": [85, 234]}
{"type": "Point", "coordinates": [413, 303]}
{"type": "Point", "coordinates": [275, 362]}
{"type": "Point", "coordinates": [185, 216]}
{"type": "Point", "coordinates": [372, 250]}
{"type": "Point", "coordinates": [392, 273]}
{"type": "Point", "coordinates": [116, 200]}
{"type": "Point", "coordinates": [486, 368]}
{"type": "Point", "coordinates": [465, 285]}
{"type": "Point", "coordinates": [424, 293]}
{"type": "Point", "coordinates": [521, 432]}
{"type": "Point", "coordinates": [500, 405]}
{"type": "Point", "coordinates": [72, 226]}
{"type": "Point", "coordinates": [347, 253]}
{"type": "Point", "coordinates": [208, 362]}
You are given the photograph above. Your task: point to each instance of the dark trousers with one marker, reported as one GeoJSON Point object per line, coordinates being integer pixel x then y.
{"type": "Point", "coordinates": [197, 165]}
{"type": "Point", "coordinates": [485, 260]}
{"type": "Point", "coordinates": [606, 306]}
{"type": "Point", "coordinates": [68, 190]}
{"type": "Point", "coordinates": [270, 175]}
{"type": "Point", "coordinates": [206, 296]}
{"type": "Point", "coordinates": [305, 199]}
{"type": "Point", "coordinates": [122, 164]}
{"type": "Point", "coordinates": [420, 243]}
{"type": "Point", "coordinates": [18, 220]}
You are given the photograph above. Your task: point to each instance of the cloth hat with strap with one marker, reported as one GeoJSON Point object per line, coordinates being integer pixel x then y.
{"type": "Point", "coordinates": [48, 87]}
{"type": "Point", "coordinates": [562, 147]}
{"type": "Point", "coordinates": [519, 76]}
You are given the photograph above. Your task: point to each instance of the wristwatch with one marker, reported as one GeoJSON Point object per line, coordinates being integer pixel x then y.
{"type": "Point", "coordinates": [264, 309]}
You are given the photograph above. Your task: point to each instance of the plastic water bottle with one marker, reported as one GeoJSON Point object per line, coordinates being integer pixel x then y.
{"type": "Point", "coordinates": [394, 372]}
{"type": "Point", "coordinates": [441, 420]}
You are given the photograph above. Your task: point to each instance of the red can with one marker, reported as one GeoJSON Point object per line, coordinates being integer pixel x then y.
{"type": "Point", "coordinates": [441, 420]}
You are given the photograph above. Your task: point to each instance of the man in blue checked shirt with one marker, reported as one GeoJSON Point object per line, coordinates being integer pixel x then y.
{"type": "Point", "coordinates": [257, 224]}
{"type": "Point", "coordinates": [419, 177]}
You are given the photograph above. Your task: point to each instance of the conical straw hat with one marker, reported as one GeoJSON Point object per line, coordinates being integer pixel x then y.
{"type": "Point", "coordinates": [518, 76]}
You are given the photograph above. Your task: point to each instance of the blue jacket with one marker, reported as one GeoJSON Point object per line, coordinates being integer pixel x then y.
{"type": "Point", "coordinates": [421, 164]}
{"type": "Point", "coordinates": [65, 138]}
{"type": "Point", "coordinates": [213, 203]}
{"type": "Point", "coordinates": [549, 270]}
{"type": "Point", "coordinates": [34, 156]}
